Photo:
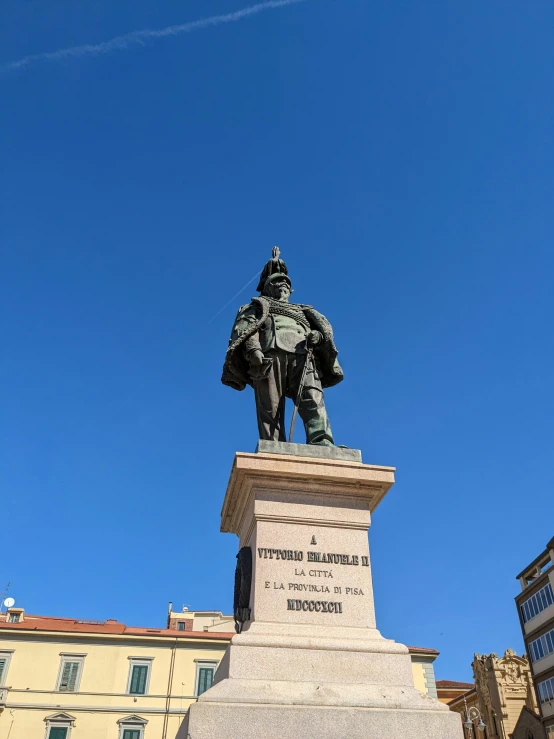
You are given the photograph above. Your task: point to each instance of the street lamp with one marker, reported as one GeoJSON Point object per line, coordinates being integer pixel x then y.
{"type": "Point", "coordinates": [472, 714]}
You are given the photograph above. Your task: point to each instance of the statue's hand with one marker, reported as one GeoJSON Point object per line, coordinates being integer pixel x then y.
{"type": "Point", "coordinates": [256, 358]}
{"type": "Point", "coordinates": [314, 338]}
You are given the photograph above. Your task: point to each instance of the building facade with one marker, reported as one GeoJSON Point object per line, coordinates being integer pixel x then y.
{"type": "Point", "coordinates": [449, 690]}
{"type": "Point", "coordinates": [186, 620]}
{"type": "Point", "coordinates": [535, 606]}
{"type": "Point", "coordinates": [63, 678]}
{"type": "Point", "coordinates": [504, 695]}
{"type": "Point", "coordinates": [68, 679]}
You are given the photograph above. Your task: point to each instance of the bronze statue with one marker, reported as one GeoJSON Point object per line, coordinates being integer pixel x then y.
{"type": "Point", "coordinates": [284, 350]}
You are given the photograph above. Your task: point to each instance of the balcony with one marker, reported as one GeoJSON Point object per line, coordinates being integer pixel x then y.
{"type": "Point", "coordinates": [3, 698]}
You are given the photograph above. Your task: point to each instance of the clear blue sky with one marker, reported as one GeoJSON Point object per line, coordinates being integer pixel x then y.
{"type": "Point", "coordinates": [401, 154]}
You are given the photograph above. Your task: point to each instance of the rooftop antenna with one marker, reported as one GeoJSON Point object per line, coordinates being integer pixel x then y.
{"type": "Point", "coordinates": [4, 597]}
{"type": "Point", "coordinates": [185, 607]}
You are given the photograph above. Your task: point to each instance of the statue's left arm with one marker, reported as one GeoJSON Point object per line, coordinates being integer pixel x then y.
{"type": "Point", "coordinates": [325, 349]}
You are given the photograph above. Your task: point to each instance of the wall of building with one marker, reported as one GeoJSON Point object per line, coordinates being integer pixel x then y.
{"type": "Point", "coordinates": [535, 577]}
{"type": "Point", "coordinates": [529, 726]}
{"type": "Point", "coordinates": [102, 698]}
{"type": "Point", "coordinates": [424, 675]}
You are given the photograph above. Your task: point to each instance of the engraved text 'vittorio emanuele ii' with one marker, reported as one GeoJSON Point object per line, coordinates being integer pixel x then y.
{"type": "Point", "coordinates": [323, 557]}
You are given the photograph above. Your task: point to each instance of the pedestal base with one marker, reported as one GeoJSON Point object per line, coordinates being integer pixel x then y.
{"type": "Point", "coordinates": [311, 664]}
{"type": "Point", "coordinates": [281, 681]}
{"type": "Point", "coordinates": [232, 721]}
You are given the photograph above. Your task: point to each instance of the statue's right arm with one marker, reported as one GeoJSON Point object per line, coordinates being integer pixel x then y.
{"type": "Point", "coordinates": [246, 317]}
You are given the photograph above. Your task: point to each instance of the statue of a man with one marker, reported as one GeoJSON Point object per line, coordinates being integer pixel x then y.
{"type": "Point", "coordinates": [284, 350]}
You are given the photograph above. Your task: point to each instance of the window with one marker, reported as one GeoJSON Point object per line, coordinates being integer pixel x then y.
{"type": "Point", "coordinates": [537, 603]}
{"type": "Point", "coordinates": [13, 618]}
{"type": "Point", "coordinates": [132, 727]}
{"type": "Point", "coordinates": [5, 658]}
{"type": "Point", "coordinates": [58, 732]}
{"type": "Point", "coordinates": [59, 726]}
{"type": "Point", "coordinates": [139, 676]}
{"type": "Point", "coordinates": [69, 675]}
{"type": "Point", "coordinates": [180, 625]}
{"type": "Point", "coordinates": [546, 690]}
{"type": "Point", "coordinates": [542, 646]}
{"type": "Point", "coordinates": [205, 672]}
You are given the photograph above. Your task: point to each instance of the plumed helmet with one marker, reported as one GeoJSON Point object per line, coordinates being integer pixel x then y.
{"type": "Point", "coordinates": [273, 269]}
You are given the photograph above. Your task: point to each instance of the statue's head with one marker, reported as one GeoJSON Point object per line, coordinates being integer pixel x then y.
{"type": "Point", "coordinates": [278, 286]}
{"type": "Point", "coordinates": [274, 280]}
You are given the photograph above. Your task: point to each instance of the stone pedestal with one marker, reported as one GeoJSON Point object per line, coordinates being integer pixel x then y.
{"type": "Point", "coordinates": [311, 662]}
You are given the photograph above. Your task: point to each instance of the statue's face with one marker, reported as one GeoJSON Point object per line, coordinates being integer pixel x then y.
{"type": "Point", "coordinates": [279, 290]}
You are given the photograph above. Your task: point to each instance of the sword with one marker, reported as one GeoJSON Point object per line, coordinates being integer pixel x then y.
{"type": "Point", "coordinates": [309, 356]}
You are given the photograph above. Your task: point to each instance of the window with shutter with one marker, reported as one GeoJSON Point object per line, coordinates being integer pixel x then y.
{"type": "Point", "coordinates": [68, 679]}
{"type": "Point", "coordinates": [139, 676]}
{"type": "Point", "coordinates": [58, 732]}
{"type": "Point", "coordinates": [205, 679]}
{"type": "Point", "coordinates": [131, 734]}
{"type": "Point", "coordinates": [2, 668]}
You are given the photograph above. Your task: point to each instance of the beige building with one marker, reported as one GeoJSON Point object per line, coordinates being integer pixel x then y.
{"type": "Point", "coordinates": [62, 678]}
{"type": "Point", "coordinates": [536, 613]}
{"type": "Point", "coordinates": [504, 695]}
{"type": "Point", "coordinates": [186, 620]}
{"type": "Point", "coordinates": [449, 690]}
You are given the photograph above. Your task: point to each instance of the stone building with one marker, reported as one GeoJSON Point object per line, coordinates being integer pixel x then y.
{"type": "Point", "coordinates": [529, 726]}
{"type": "Point", "coordinates": [504, 695]}
{"type": "Point", "coordinates": [63, 678]}
{"type": "Point", "coordinates": [536, 613]}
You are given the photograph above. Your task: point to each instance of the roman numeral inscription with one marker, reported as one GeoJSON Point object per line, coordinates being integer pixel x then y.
{"type": "Point", "coordinates": [323, 606]}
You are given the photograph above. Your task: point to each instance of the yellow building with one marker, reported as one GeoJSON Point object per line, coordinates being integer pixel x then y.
{"type": "Point", "coordinates": [449, 690]}
{"type": "Point", "coordinates": [62, 678]}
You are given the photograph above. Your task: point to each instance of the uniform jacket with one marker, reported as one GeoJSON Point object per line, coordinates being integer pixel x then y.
{"type": "Point", "coordinates": [254, 320]}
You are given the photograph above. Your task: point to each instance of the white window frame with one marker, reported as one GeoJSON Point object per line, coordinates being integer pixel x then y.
{"type": "Point", "coordinates": [132, 723]}
{"type": "Point", "coordinates": [544, 645]}
{"type": "Point", "coordinates": [7, 655]}
{"type": "Point", "coordinates": [57, 722]}
{"type": "Point", "coordinates": [550, 683]}
{"type": "Point", "coordinates": [200, 663]}
{"type": "Point", "coordinates": [140, 662]}
{"type": "Point", "coordinates": [536, 600]}
{"type": "Point", "coordinates": [68, 657]}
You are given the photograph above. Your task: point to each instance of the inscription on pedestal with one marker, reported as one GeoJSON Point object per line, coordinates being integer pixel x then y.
{"type": "Point", "coordinates": [330, 558]}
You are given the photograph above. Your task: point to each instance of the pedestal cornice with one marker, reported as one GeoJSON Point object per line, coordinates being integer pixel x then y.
{"type": "Point", "coordinates": [311, 476]}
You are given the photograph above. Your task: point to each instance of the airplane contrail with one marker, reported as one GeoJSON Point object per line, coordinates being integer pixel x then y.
{"type": "Point", "coordinates": [139, 38]}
